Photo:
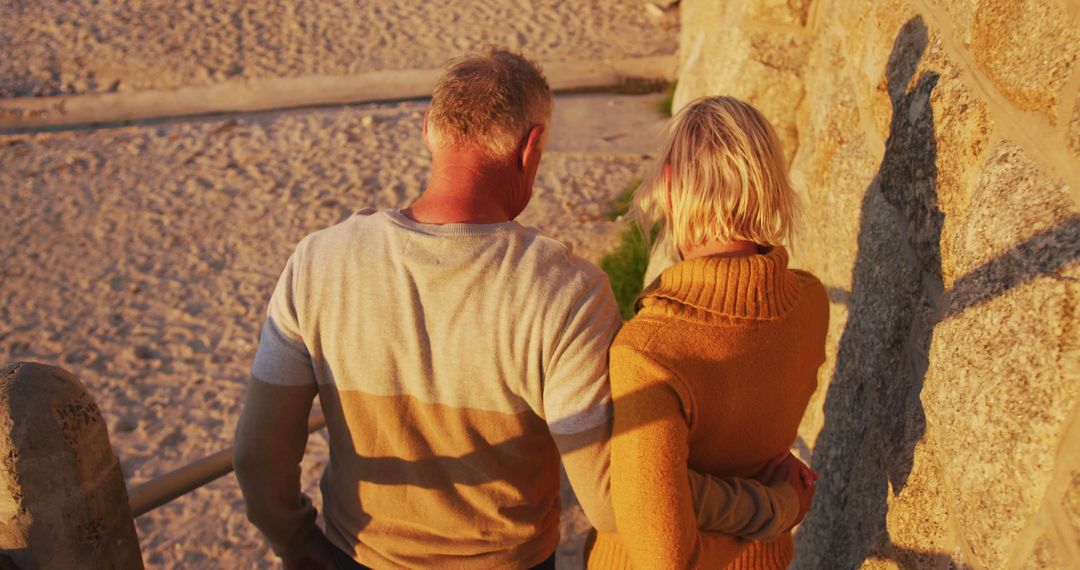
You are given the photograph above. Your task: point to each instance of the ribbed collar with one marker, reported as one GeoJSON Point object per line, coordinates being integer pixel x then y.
{"type": "Point", "coordinates": [449, 230]}
{"type": "Point", "coordinates": [754, 286]}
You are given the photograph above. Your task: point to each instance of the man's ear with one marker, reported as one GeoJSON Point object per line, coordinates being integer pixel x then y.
{"type": "Point", "coordinates": [531, 147]}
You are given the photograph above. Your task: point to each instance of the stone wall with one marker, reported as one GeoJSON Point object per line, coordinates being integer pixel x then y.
{"type": "Point", "coordinates": [936, 146]}
{"type": "Point", "coordinates": [64, 505]}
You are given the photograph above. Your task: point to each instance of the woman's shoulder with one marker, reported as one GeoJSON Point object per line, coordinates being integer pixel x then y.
{"type": "Point", "coordinates": [809, 283]}
{"type": "Point", "coordinates": [638, 333]}
{"type": "Point", "coordinates": [813, 300]}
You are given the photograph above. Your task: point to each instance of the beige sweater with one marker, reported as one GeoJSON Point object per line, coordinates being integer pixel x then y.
{"type": "Point", "coordinates": [456, 364]}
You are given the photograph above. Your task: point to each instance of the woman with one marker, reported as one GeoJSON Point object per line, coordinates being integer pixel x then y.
{"type": "Point", "coordinates": [717, 367]}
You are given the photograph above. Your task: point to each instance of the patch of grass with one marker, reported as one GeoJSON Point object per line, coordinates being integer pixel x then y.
{"type": "Point", "coordinates": [626, 264]}
{"type": "Point", "coordinates": [625, 267]}
{"type": "Point", "coordinates": [665, 105]}
{"type": "Point", "coordinates": [621, 205]}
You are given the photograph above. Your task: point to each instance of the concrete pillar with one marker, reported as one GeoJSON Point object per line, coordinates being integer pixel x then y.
{"type": "Point", "coordinates": [63, 504]}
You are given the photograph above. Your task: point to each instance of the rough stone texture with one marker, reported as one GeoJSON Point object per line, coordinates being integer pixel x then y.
{"type": "Point", "coordinates": [1074, 130]}
{"type": "Point", "coordinates": [1043, 556]}
{"type": "Point", "coordinates": [65, 505]}
{"type": "Point", "coordinates": [794, 12]}
{"type": "Point", "coordinates": [1071, 503]}
{"type": "Point", "coordinates": [960, 14]}
{"type": "Point", "coordinates": [1030, 73]}
{"type": "Point", "coordinates": [730, 58]}
{"type": "Point", "coordinates": [54, 47]}
{"type": "Point", "coordinates": [963, 129]}
{"type": "Point", "coordinates": [945, 423]}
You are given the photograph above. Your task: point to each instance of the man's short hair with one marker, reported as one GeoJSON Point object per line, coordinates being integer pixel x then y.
{"type": "Point", "coordinates": [488, 100]}
{"type": "Point", "coordinates": [728, 178]}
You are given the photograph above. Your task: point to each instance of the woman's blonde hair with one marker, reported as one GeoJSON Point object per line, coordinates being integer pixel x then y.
{"type": "Point", "coordinates": [728, 178]}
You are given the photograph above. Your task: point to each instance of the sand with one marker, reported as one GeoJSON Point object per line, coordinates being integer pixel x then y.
{"type": "Point", "coordinates": [141, 257]}
{"type": "Point", "coordinates": [54, 47]}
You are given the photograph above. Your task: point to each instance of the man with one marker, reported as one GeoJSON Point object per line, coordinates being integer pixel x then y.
{"type": "Point", "coordinates": [457, 357]}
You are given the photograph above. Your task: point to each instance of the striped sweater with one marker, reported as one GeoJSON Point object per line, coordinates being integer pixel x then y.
{"type": "Point", "coordinates": [456, 365]}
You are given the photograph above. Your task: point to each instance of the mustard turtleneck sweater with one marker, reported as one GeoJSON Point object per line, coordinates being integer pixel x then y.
{"type": "Point", "coordinates": [713, 374]}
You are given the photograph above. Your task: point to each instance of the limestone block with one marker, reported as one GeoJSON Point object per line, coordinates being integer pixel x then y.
{"type": "Point", "coordinates": [1052, 546]}
{"type": "Point", "coordinates": [919, 520]}
{"type": "Point", "coordinates": [760, 67]}
{"type": "Point", "coordinates": [780, 51]}
{"type": "Point", "coordinates": [1014, 202]}
{"type": "Point", "coordinates": [877, 38]}
{"type": "Point", "coordinates": [777, 96]}
{"type": "Point", "coordinates": [714, 60]}
{"type": "Point", "coordinates": [64, 504]}
{"type": "Point", "coordinates": [997, 380]}
{"type": "Point", "coordinates": [814, 418]}
{"type": "Point", "coordinates": [831, 173]}
{"type": "Point", "coordinates": [862, 447]}
{"type": "Point", "coordinates": [1071, 506]}
{"type": "Point", "coordinates": [831, 194]}
{"type": "Point", "coordinates": [959, 15]}
{"type": "Point", "coordinates": [871, 40]}
{"type": "Point", "coordinates": [1073, 137]}
{"type": "Point", "coordinates": [1028, 48]}
{"type": "Point", "coordinates": [1044, 556]}
{"type": "Point", "coordinates": [938, 415]}
{"type": "Point", "coordinates": [1001, 404]}
{"type": "Point", "coordinates": [700, 21]}
{"type": "Point", "coordinates": [790, 12]}
{"type": "Point", "coordinates": [962, 129]}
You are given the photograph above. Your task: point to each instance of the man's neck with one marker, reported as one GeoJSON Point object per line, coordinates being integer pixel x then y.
{"type": "Point", "coordinates": [465, 188]}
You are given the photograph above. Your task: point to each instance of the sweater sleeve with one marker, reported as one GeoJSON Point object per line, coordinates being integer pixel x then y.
{"type": "Point", "coordinates": [577, 398]}
{"type": "Point", "coordinates": [272, 432]}
{"type": "Point", "coordinates": [270, 440]}
{"type": "Point", "coordinates": [743, 507]}
{"type": "Point", "coordinates": [651, 483]}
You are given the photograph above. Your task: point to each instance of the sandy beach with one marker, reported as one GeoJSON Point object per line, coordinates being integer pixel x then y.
{"type": "Point", "coordinates": [141, 256]}
{"type": "Point", "coordinates": [55, 47]}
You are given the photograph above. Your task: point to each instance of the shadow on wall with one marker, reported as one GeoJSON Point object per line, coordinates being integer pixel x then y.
{"type": "Point", "coordinates": [873, 412]}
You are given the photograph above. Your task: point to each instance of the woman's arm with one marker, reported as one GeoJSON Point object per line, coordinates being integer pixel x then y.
{"type": "Point", "coordinates": [651, 493]}
{"type": "Point", "coordinates": [747, 508]}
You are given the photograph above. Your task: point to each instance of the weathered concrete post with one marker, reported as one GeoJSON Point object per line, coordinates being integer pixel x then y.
{"type": "Point", "coordinates": [63, 503]}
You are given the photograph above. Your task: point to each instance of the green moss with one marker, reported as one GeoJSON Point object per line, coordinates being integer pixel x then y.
{"type": "Point", "coordinates": [621, 205]}
{"type": "Point", "coordinates": [625, 265]}
{"type": "Point", "coordinates": [665, 105]}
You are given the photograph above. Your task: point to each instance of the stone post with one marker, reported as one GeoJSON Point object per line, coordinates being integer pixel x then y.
{"type": "Point", "coordinates": [63, 503]}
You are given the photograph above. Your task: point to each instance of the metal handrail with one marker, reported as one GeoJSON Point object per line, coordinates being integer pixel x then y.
{"type": "Point", "coordinates": [158, 491]}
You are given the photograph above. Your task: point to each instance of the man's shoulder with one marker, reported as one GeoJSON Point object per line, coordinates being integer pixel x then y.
{"type": "Point", "coordinates": [333, 237]}
{"type": "Point", "coordinates": [557, 255]}
{"type": "Point", "coordinates": [557, 265]}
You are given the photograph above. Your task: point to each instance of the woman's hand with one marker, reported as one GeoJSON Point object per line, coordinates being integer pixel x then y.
{"type": "Point", "coordinates": [789, 469]}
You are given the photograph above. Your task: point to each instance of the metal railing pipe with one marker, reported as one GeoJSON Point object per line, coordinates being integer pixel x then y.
{"type": "Point", "coordinates": [160, 490]}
